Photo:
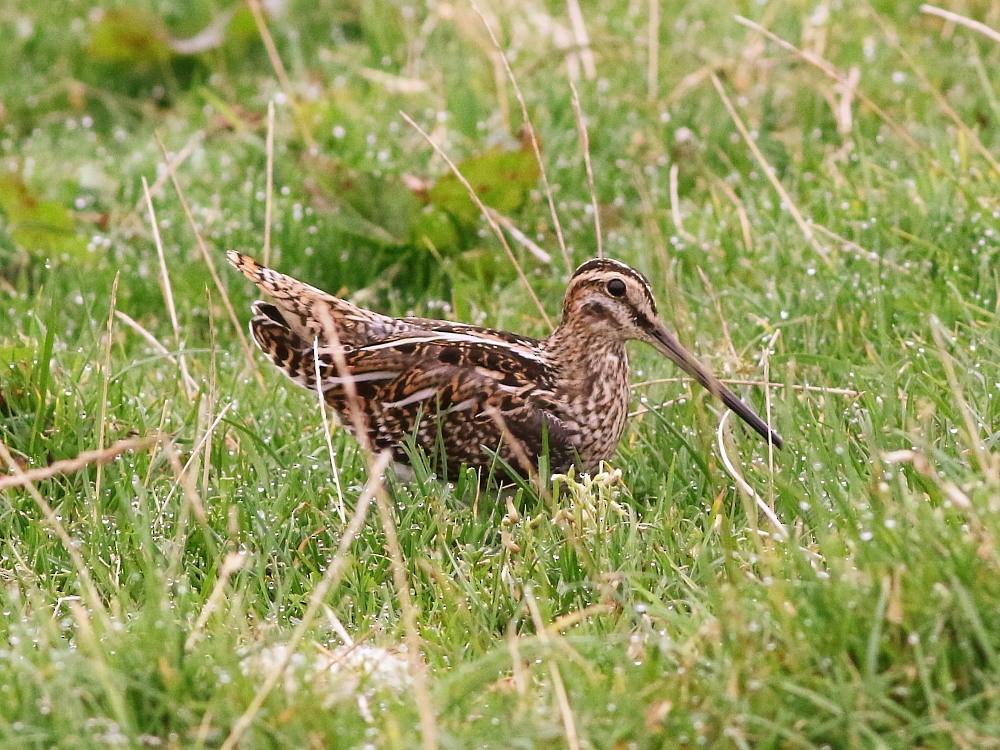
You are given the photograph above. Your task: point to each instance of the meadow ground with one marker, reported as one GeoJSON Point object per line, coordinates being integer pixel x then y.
{"type": "Point", "coordinates": [850, 259]}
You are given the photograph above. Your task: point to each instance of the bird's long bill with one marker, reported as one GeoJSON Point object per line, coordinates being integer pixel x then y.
{"type": "Point", "coordinates": [667, 343]}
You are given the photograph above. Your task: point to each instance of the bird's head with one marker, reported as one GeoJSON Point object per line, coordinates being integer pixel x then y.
{"type": "Point", "coordinates": [610, 300]}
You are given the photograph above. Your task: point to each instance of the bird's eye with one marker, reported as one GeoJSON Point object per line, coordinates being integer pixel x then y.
{"type": "Point", "coordinates": [616, 288]}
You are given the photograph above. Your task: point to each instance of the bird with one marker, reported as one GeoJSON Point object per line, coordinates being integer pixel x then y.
{"type": "Point", "coordinates": [469, 394]}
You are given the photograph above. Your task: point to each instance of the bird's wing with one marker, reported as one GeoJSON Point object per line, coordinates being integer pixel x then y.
{"type": "Point", "coordinates": [448, 390]}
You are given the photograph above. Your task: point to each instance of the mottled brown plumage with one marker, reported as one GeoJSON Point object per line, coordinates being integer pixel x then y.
{"type": "Point", "coordinates": [465, 392]}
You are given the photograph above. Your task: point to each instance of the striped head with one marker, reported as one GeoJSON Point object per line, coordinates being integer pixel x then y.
{"type": "Point", "coordinates": [612, 302]}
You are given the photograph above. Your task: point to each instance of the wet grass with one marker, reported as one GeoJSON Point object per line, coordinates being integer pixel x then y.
{"type": "Point", "coordinates": [142, 597]}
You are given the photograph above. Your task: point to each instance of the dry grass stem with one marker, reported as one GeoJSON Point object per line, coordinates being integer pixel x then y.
{"type": "Point", "coordinates": [279, 70]}
{"type": "Point", "coordinates": [771, 175]}
{"type": "Point", "coordinates": [338, 627]}
{"type": "Point", "coordinates": [161, 429]}
{"type": "Point", "coordinates": [648, 213]}
{"type": "Point", "coordinates": [758, 384]}
{"type": "Point", "coordinates": [675, 207]}
{"type": "Point", "coordinates": [208, 407]}
{"type": "Point", "coordinates": [870, 255]}
{"type": "Point", "coordinates": [185, 470]}
{"type": "Point", "coordinates": [213, 272]}
{"type": "Point", "coordinates": [653, 51]}
{"type": "Point", "coordinates": [69, 465]}
{"type": "Point", "coordinates": [520, 237]}
{"type": "Point", "coordinates": [832, 72]}
{"type": "Point", "coordinates": [230, 565]}
{"type": "Point", "coordinates": [520, 453]}
{"type": "Point", "coordinates": [335, 569]}
{"type": "Point", "coordinates": [168, 294]}
{"type": "Point", "coordinates": [581, 126]}
{"type": "Point", "coordinates": [395, 84]}
{"type": "Point", "coordinates": [355, 408]}
{"type": "Point", "coordinates": [570, 619]}
{"type": "Point", "coordinates": [89, 643]}
{"type": "Point", "coordinates": [414, 650]}
{"type": "Point", "coordinates": [691, 82]}
{"type": "Point", "coordinates": [562, 699]}
{"type": "Point", "coordinates": [741, 214]}
{"type": "Point", "coordinates": [269, 188]}
{"type": "Point", "coordinates": [520, 675]}
{"type": "Point", "coordinates": [656, 407]}
{"type": "Point", "coordinates": [723, 325]}
{"type": "Point", "coordinates": [153, 342]}
{"type": "Point", "coordinates": [780, 532]}
{"type": "Point", "coordinates": [161, 179]}
{"type": "Point", "coordinates": [192, 500]}
{"type": "Point", "coordinates": [91, 595]}
{"type": "Point", "coordinates": [768, 350]}
{"type": "Point", "coordinates": [582, 38]}
{"type": "Point", "coordinates": [187, 481]}
{"type": "Point", "coordinates": [939, 98]}
{"type": "Point", "coordinates": [486, 213]}
{"type": "Point", "coordinates": [341, 509]}
{"type": "Point", "coordinates": [532, 137]}
{"type": "Point", "coordinates": [102, 417]}
{"type": "Point", "coordinates": [961, 20]}
{"type": "Point", "coordinates": [972, 429]}
{"type": "Point", "coordinates": [843, 108]}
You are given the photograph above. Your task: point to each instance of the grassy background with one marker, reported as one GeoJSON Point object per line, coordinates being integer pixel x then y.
{"type": "Point", "coordinates": [675, 623]}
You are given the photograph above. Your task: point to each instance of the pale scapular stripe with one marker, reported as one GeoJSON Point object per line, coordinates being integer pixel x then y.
{"type": "Point", "coordinates": [362, 377]}
{"type": "Point", "coordinates": [452, 338]}
{"type": "Point", "coordinates": [464, 405]}
{"type": "Point", "coordinates": [413, 398]}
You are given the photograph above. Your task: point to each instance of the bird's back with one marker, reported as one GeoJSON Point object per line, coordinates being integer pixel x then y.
{"type": "Point", "coordinates": [453, 389]}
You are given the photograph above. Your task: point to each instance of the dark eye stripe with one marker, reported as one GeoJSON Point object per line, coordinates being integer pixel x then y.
{"type": "Point", "coordinates": [597, 307]}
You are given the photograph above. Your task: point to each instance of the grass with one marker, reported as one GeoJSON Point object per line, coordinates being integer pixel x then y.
{"type": "Point", "coordinates": [145, 598]}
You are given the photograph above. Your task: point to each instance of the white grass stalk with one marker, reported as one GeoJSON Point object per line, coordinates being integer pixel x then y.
{"type": "Point", "coordinates": [168, 293]}
{"type": "Point", "coordinates": [581, 126]}
{"type": "Point", "coordinates": [269, 179]}
{"type": "Point", "coordinates": [341, 511]}
{"type": "Point", "coordinates": [781, 534]}
{"type": "Point", "coordinates": [102, 417]}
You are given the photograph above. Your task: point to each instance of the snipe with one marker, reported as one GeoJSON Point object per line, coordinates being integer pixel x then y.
{"type": "Point", "coordinates": [467, 392]}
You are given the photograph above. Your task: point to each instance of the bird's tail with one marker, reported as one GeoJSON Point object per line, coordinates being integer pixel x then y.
{"type": "Point", "coordinates": [289, 352]}
{"type": "Point", "coordinates": [309, 312]}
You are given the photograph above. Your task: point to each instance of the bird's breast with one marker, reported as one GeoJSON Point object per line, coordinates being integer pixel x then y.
{"type": "Point", "coordinates": [594, 395]}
